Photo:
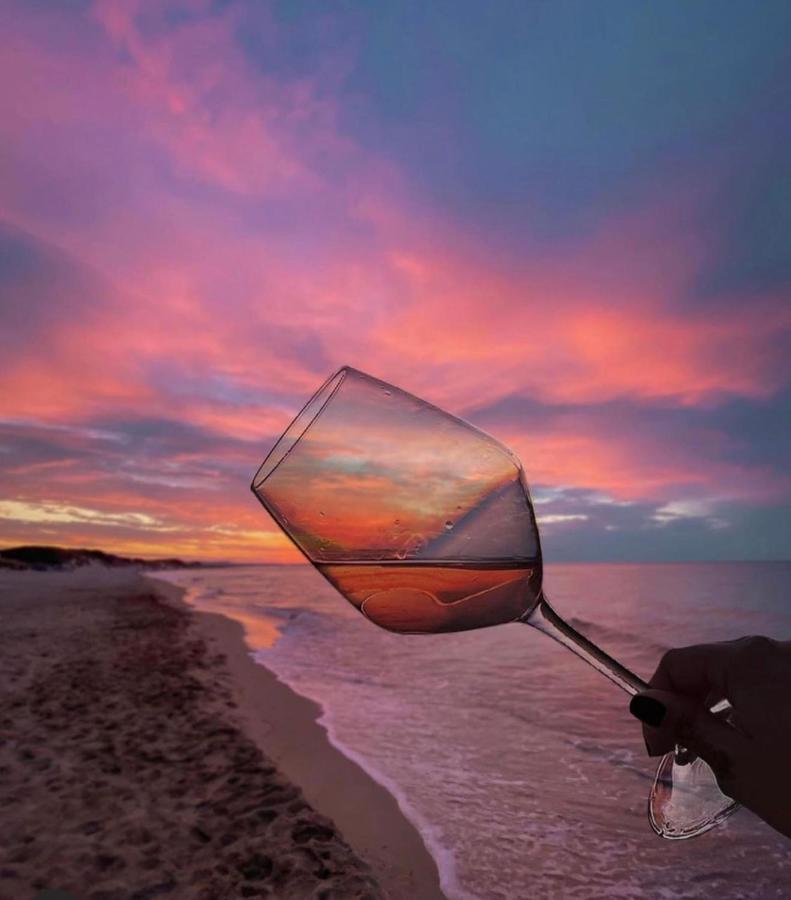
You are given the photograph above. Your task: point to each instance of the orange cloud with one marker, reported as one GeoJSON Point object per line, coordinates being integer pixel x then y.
{"type": "Point", "coordinates": [216, 245]}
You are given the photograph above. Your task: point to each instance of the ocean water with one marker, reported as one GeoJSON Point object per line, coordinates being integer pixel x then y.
{"type": "Point", "coordinates": [520, 765]}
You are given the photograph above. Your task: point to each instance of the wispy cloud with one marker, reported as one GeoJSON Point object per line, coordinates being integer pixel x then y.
{"type": "Point", "coordinates": [205, 208]}
{"type": "Point", "coordinates": [49, 513]}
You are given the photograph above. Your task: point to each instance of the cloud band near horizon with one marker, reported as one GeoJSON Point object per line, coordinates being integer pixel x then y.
{"type": "Point", "coordinates": [208, 207]}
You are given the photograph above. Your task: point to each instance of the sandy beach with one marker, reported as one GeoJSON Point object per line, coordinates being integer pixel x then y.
{"type": "Point", "coordinates": [144, 754]}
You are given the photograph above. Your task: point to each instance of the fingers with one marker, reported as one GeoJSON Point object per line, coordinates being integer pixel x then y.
{"type": "Point", "coordinates": [730, 669]}
{"type": "Point", "coordinates": [697, 671]}
{"type": "Point", "coordinates": [670, 719]}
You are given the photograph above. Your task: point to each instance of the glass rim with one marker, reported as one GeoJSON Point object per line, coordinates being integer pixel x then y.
{"type": "Point", "coordinates": [304, 419]}
{"type": "Point", "coordinates": [309, 414]}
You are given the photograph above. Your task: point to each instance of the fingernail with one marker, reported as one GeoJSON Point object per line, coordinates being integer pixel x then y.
{"type": "Point", "coordinates": [647, 710]}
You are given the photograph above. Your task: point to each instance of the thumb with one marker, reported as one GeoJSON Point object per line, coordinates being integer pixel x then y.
{"type": "Point", "coordinates": [670, 718]}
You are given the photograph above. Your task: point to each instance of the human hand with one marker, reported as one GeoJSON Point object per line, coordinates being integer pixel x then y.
{"type": "Point", "coordinates": [751, 758]}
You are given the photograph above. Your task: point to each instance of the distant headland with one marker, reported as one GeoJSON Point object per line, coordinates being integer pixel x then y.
{"type": "Point", "coordinates": [42, 558]}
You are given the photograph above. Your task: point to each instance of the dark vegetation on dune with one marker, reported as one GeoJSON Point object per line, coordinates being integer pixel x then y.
{"type": "Point", "coordinates": [39, 557]}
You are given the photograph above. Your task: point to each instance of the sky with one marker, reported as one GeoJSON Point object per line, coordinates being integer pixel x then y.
{"type": "Point", "coordinates": [567, 222]}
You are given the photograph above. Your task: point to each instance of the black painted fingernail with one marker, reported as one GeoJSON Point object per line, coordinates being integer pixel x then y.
{"type": "Point", "coordinates": [647, 710]}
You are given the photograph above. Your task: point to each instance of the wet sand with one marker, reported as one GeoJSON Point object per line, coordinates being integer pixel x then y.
{"type": "Point", "coordinates": [144, 754]}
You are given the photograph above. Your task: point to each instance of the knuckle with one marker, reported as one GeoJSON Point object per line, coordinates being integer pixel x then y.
{"type": "Point", "coordinates": [668, 657]}
{"type": "Point", "coordinates": [755, 653]}
{"type": "Point", "coordinates": [758, 644]}
{"type": "Point", "coordinates": [673, 664]}
{"type": "Point", "coordinates": [671, 660]}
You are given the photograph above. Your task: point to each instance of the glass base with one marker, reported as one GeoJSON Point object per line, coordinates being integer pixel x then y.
{"type": "Point", "coordinates": [686, 800]}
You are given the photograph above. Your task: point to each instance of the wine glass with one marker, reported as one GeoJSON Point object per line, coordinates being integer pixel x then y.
{"type": "Point", "coordinates": [425, 524]}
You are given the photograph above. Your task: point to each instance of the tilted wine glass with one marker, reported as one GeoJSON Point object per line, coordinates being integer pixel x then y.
{"type": "Point", "coordinates": [425, 524]}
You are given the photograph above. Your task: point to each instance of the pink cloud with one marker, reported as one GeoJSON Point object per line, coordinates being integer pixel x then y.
{"type": "Point", "coordinates": [240, 246]}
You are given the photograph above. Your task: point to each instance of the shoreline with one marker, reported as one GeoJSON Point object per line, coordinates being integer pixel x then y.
{"type": "Point", "coordinates": [291, 732]}
{"type": "Point", "coordinates": [144, 753]}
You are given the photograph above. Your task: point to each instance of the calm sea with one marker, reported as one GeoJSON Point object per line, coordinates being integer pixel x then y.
{"type": "Point", "coordinates": [520, 765]}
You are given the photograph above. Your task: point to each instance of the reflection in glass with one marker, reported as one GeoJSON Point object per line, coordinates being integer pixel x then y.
{"type": "Point", "coordinates": [425, 524]}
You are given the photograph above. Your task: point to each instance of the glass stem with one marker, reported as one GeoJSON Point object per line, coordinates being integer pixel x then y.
{"type": "Point", "coordinates": [546, 620]}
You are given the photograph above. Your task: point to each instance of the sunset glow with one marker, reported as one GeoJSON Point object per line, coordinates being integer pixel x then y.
{"type": "Point", "coordinates": [206, 208]}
